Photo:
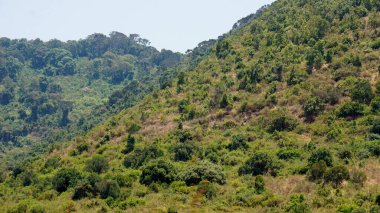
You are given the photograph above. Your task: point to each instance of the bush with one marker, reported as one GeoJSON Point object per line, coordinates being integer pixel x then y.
{"type": "Point", "coordinates": [362, 92]}
{"type": "Point", "coordinates": [312, 107]}
{"type": "Point", "coordinates": [65, 178]}
{"type": "Point", "coordinates": [183, 151]}
{"type": "Point", "coordinates": [376, 44]}
{"type": "Point", "coordinates": [108, 188]}
{"type": "Point", "coordinates": [158, 172]}
{"type": "Point", "coordinates": [140, 157]}
{"type": "Point", "coordinates": [375, 129]}
{"type": "Point", "coordinates": [130, 145]}
{"type": "Point", "coordinates": [238, 142]}
{"type": "Point", "coordinates": [84, 189]}
{"type": "Point", "coordinates": [207, 189]}
{"type": "Point", "coordinates": [52, 163]}
{"type": "Point", "coordinates": [336, 175]}
{"type": "Point", "coordinates": [288, 154]}
{"type": "Point", "coordinates": [279, 120]}
{"type": "Point", "coordinates": [375, 104]}
{"type": "Point", "coordinates": [259, 184]}
{"type": "Point", "coordinates": [317, 171]}
{"type": "Point", "coordinates": [321, 154]}
{"type": "Point", "coordinates": [358, 178]}
{"type": "Point", "coordinates": [297, 205]}
{"type": "Point", "coordinates": [259, 164]}
{"type": "Point", "coordinates": [98, 164]}
{"type": "Point", "coordinates": [351, 109]}
{"type": "Point", "coordinates": [203, 171]}
{"type": "Point", "coordinates": [345, 154]}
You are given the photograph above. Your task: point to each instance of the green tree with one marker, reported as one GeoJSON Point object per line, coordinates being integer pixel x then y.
{"type": "Point", "coordinates": [238, 142]}
{"type": "Point", "coordinates": [130, 144]}
{"type": "Point", "coordinates": [260, 163]}
{"type": "Point", "coordinates": [321, 154]}
{"type": "Point", "coordinates": [65, 178]}
{"type": "Point", "coordinates": [158, 172]}
{"type": "Point", "coordinates": [98, 164]}
{"type": "Point", "coordinates": [362, 92]}
{"type": "Point", "coordinates": [205, 170]}
{"type": "Point", "coordinates": [336, 175]}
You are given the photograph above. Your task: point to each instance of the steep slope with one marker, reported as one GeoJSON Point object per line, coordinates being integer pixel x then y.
{"type": "Point", "coordinates": [52, 91]}
{"type": "Point", "coordinates": [282, 115]}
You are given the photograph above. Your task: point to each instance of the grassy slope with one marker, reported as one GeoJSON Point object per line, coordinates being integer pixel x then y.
{"type": "Point", "coordinates": [213, 127]}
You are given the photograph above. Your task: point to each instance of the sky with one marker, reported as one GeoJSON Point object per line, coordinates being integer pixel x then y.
{"type": "Point", "coordinates": [176, 25]}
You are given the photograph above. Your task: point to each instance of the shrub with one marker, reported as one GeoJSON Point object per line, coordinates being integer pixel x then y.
{"type": "Point", "coordinates": [222, 49]}
{"type": "Point", "coordinates": [375, 129]}
{"type": "Point", "coordinates": [358, 178]}
{"type": "Point", "coordinates": [259, 184]}
{"type": "Point", "coordinates": [158, 172]}
{"type": "Point", "coordinates": [317, 171]}
{"type": "Point", "coordinates": [65, 178]}
{"type": "Point", "coordinates": [82, 147]}
{"type": "Point", "coordinates": [238, 142]}
{"type": "Point", "coordinates": [98, 164]}
{"type": "Point", "coordinates": [140, 157]}
{"type": "Point", "coordinates": [279, 120]}
{"type": "Point", "coordinates": [345, 154]}
{"type": "Point", "coordinates": [52, 163]}
{"type": "Point", "coordinates": [321, 154]}
{"type": "Point", "coordinates": [224, 102]}
{"type": "Point", "coordinates": [108, 188]}
{"type": "Point", "coordinates": [362, 92]}
{"type": "Point", "coordinates": [312, 107]}
{"type": "Point", "coordinates": [84, 189]}
{"type": "Point", "coordinates": [130, 145]}
{"type": "Point", "coordinates": [288, 154]}
{"type": "Point", "coordinates": [376, 44]}
{"type": "Point", "coordinates": [375, 104]}
{"type": "Point", "coordinates": [259, 164]}
{"type": "Point", "coordinates": [336, 175]}
{"type": "Point", "coordinates": [297, 205]}
{"type": "Point", "coordinates": [183, 135]}
{"type": "Point", "coordinates": [207, 189]}
{"type": "Point", "coordinates": [203, 171]}
{"type": "Point", "coordinates": [183, 151]}
{"type": "Point", "coordinates": [351, 109]}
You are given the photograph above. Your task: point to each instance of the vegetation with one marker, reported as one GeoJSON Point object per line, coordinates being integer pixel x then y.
{"type": "Point", "coordinates": [278, 115]}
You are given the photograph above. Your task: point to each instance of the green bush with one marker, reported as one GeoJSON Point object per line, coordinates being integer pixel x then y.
{"type": "Point", "coordinates": [183, 151]}
{"type": "Point", "coordinates": [336, 175]}
{"type": "Point", "coordinates": [158, 172]}
{"type": "Point", "coordinates": [376, 44]}
{"type": "Point", "coordinates": [140, 157]}
{"type": "Point", "coordinates": [207, 189]}
{"type": "Point", "coordinates": [108, 188]}
{"type": "Point", "coordinates": [288, 154]}
{"type": "Point", "coordinates": [260, 163]}
{"type": "Point", "coordinates": [351, 109]}
{"type": "Point", "coordinates": [259, 184]}
{"type": "Point", "coordinates": [317, 171]}
{"type": "Point", "coordinates": [203, 171]}
{"type": "Point", "coordinates": [313, 107]}
{"type": "Point", "coordinates": [65, 178]}
{"type": "Point", "coordinates": [279, 120]}
{"type": "Point", "coordinates": [321, 154]}
{"type": "Point", "coordinates": [362, 92]}
{"type": "Point", "coordinates": [358, 178]}
{"type": "Point", "coordinates": [130, 144]}
{"type": "Point", "coordinates": [98, 164]}
{"type": "Point", "coordinates": [375, 104]}
{"type": "Point", "coordinates": [238, 142]}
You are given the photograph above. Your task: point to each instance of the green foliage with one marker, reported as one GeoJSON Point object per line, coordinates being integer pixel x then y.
{"type": "Point", "coordinates": [336, 175]}
{"type": "Point", "coordinates": [350, 109]}
{"type": "Point", "coordinates": [158, 172]}
{"type": "Point", "coordinates": [223, 48]}
{"type": "Point", "coordinates": [317, 171]}
{"type": "Point", "coordinates": [288, 154]}
{"type": "Point", "coordinates": [108, 188]}
{"type": "Point", "coordinates": [312, 107]}
{"type": "Point", "coordinates": [131, 141]}
{"type": "Point", "coordinates": [259, 184]}
{"type": "Point", "coordinates": [98, 164]}
{"type": "Point", "coordinates": [362, 92]}
{"type": "Point", "coordinates": [183, 151]}
{"type": "Point", "coordinates": [375, 104]}
{"type": "Point", "coordinates": [203, 171]}
{"type": "Point", "coordinates": [279, 120]}
{"type": "Point", "coordinates": [297, 205]}
{"type": "Point", "coordinates": [238, 142]}
{"type": "Point", "coordinates": [376, 44]}
{"type": "Point", "coordinates": [321, 154]}
{"type": "Point", "coordinates": [65, 178]}
{"type": "Point", "coordinates": [140, 157]}
{"type": "Point", "coordinates": [207, 189]}
{"type": "Point", "coordinates": [260, 163]}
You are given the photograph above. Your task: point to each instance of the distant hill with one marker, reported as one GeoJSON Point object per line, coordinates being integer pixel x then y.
{"type": "Point", "coordinates": [279, 115]}
{"type": "Point", "coordinates": [52, 91]}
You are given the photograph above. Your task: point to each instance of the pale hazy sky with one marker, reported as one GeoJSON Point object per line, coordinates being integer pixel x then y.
{"type": "Point", "coordinates": [171, 24]}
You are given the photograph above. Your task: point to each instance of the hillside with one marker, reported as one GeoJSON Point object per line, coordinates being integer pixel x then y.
{"type": "Point", "coordinates": [52, 91]}
{"type": "Point", "coordinates": [279, 115]}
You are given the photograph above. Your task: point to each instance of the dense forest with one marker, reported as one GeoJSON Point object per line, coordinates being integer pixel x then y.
{"type": "Point", "coordinates": [52, 91]}
{"type": "Point", "coordinates": [281, 114]}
